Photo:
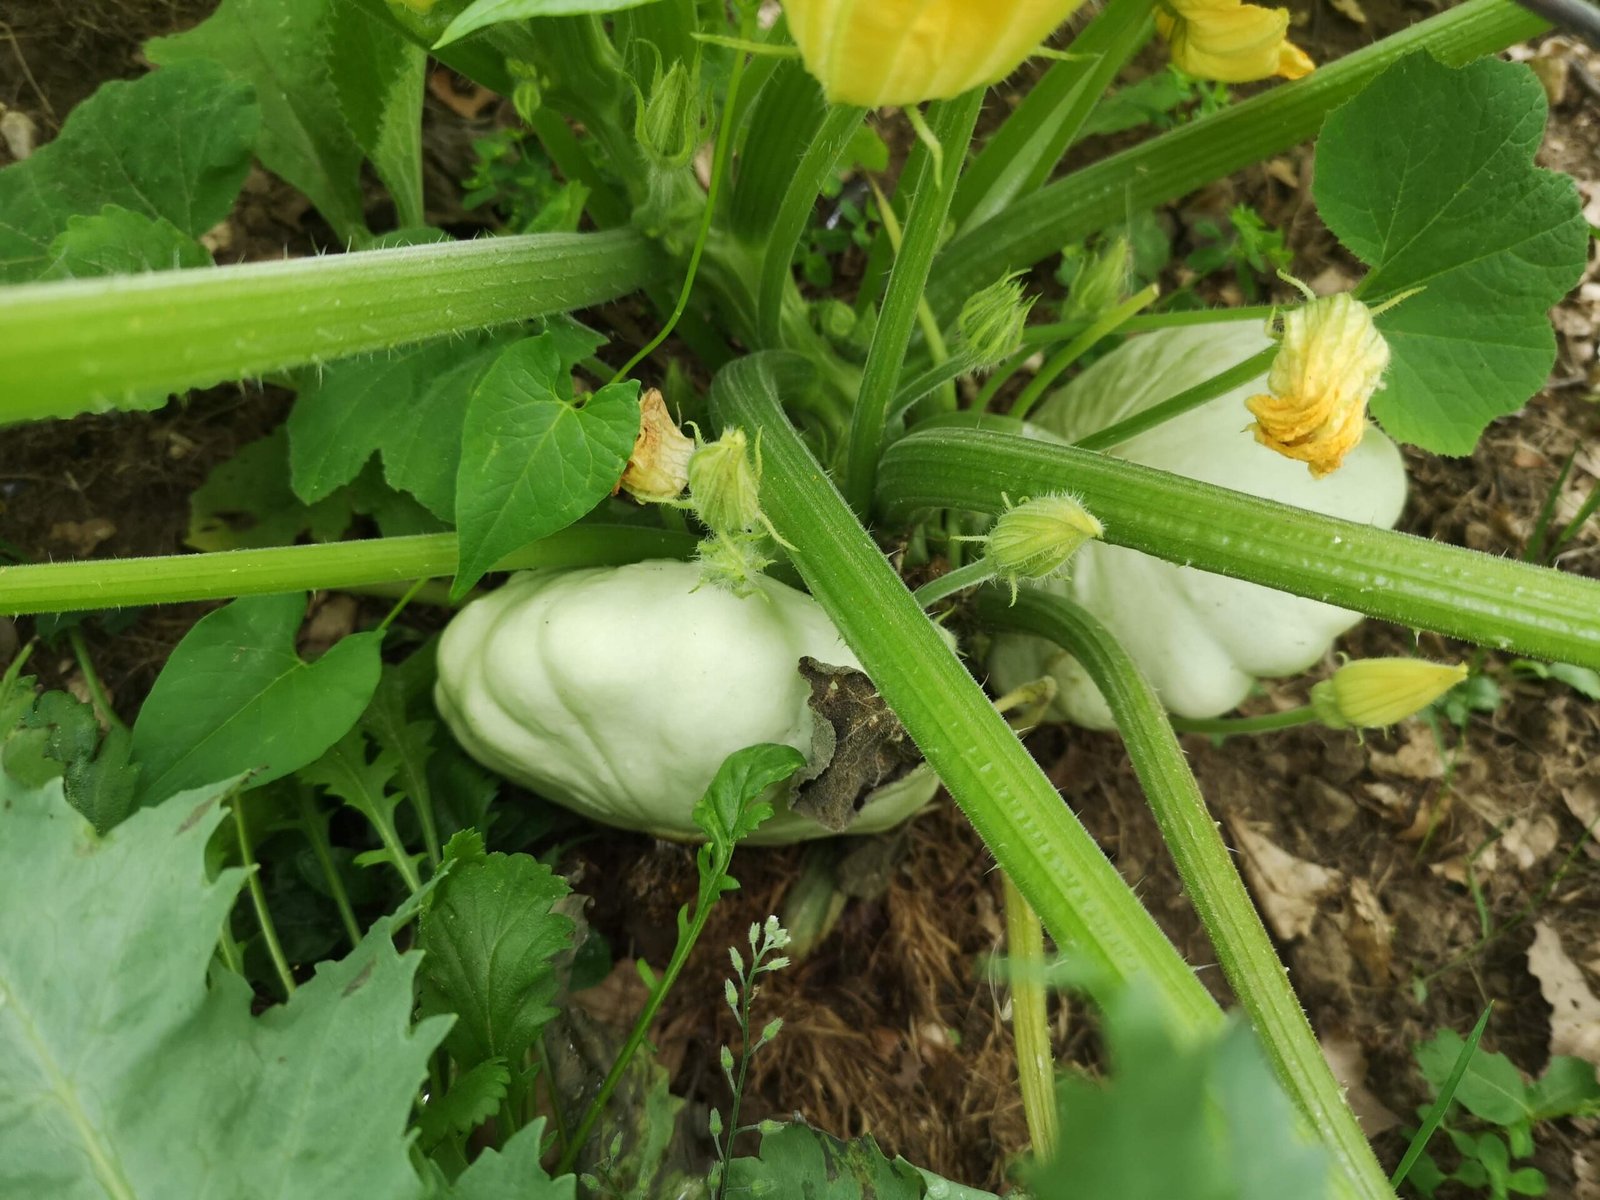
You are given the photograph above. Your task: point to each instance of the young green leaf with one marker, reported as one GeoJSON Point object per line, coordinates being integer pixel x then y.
{"type": "Point", "coordinates": [235, 697]}
{"type": "Point", "coordinates": [800, 1161]}
{"type": "Point", "coordinates": [534, 458]}
{"type": "Point", "coordinates": [473, 1098]}
{"type": "Point", "coordinates": [59, 736]}
{"type": "Point", "coordinates": [280, 47]}
{"type": "Point", "coordinates": [491, 939]}
{"type": "Point", "coordinates": [119, 241]}
{"type": "Point", "coordinates": [1491, 1087]}
{"type": "Point", "coordinates": [732, 808]}
{"type": "Point", "coordinates": [378, 76]}
{"type": "Point", "coordinates": [1428, 177]}
{"type": "Point", "coordinates": [1204, 1120]}
{"type": "Point", "coordinates": [408, 406]}
{"type": "Point", "coordinates": [346, 773]}
{"type": "Point", "coordinates": [172, 146]}
{"type": "Point", "coordinates": [513, 1173]}
{"type": "Point", "coordinates": [126, 1076]}
{"type": "Point", "coordinates": [1567, 1088]}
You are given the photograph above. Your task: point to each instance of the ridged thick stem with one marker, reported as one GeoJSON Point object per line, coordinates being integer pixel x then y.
{"type": "Point", "coordinates": [1414, 582]}
{"type": "Point", "coordinates": [1176, 163]}
{"type": "Point", "coordinates": [125, 340]}
{"type": "Point", "coordinates": [121, 582]}
{"type": "Point", "coordinates": [1209, 876]}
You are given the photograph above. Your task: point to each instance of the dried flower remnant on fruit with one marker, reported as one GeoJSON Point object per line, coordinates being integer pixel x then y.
{"type": "Point", "coordinates": [1230, 41]}
{"type": "Point", "coordinates": [888, 52]}
{"type": "Point", "coordinates": [1370, 693]}
{"type": "Point", "coordinates": [1331, 361]}
{"type": "Point", "coordinates": [658, 468]}
{"type": "Point", "coordinates": [1035, 539]}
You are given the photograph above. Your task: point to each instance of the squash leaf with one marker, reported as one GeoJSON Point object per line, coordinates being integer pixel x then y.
{"type": "Point", "coordinates": [1428, 177]}
{"type": "Point", "coordinates": [534, 457]}
{"type": "Point", "coordinates": [235, 696]}
{"type": "Point", "coordinates": [281, 49]}
{"type": "Point", "coordinates": [126, 1074]}
{"type": "Point", "coordinates": [378, 77]}
{"type": "Point", "coordinates": [119, 241]}
{"type": "Point", "coordinates": [171, 147]}
{"type": "Point", "coordinates": [482, 13]}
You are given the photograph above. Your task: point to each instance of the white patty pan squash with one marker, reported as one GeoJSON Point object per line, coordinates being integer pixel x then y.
{"type": "Point", "coordinates": [618, 691]}
{"type": "Point", "coordinates": [1200, 639]}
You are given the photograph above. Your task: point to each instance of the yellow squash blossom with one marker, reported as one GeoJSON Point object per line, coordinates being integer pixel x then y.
{"type": "Point", "coordinates": [896, 52]}
{"type": "Point", "coordinates": [1373, 692]}
{"type": "Point", "coordinates": [1230, 41]}
{"type": "Point", "coordinates": [1331, 361]}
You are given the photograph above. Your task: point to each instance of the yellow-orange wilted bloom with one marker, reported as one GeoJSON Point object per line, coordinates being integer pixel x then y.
{"type": "Point", "coordinates": [1230, 41]}
{"type": "Point", "coordinates": [1331, 361]}
{"type": "Point", "coordinates": [1373, 692]}
{"type": "Point", "coordinates": [896, 52]}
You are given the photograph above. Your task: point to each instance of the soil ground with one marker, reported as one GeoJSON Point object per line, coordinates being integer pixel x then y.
{"type": "Point", "coordinates": [1447, 847]}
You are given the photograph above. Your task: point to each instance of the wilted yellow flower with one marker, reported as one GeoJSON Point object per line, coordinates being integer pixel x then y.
{"type": "Point", "coordinates": [1331, 361]}
{"type": "Point", "coordinates": [1230, 41]}
{"type": "Point", "coordinates": [880, 52]}
{"type": "Point", "coordinates": [658, 468]}
{"type": "Point", "coordinates": [1372, 692]}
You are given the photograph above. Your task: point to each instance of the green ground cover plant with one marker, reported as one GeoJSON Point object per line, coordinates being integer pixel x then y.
{"type": "Point", "coordinates": [285, 934]}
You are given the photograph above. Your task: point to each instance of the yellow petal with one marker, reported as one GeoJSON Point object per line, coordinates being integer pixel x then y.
{"type": "Point", "coordinates": [1331, 361]}
{"type": "Point", "coordinates": [896, 52]}
{"type": "Point", "coordinates": [1230, 41]}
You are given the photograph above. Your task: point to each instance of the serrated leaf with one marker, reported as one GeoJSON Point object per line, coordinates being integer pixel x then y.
{"type": "Point", "coordinates": [119, 241]}
{"type": "Point", "coordinates": [170, 146]}
{"type": "Point", "coordinates": [534, 458]}
{"type": "Point", "coordinates": [280, 47]}
{"type": "Point", "coordinates": [1428, 177]}
{"type": "Point", "coordinates": [491, 941]}
{"type": "Point", "coordinates": [408, 406]}
{"type": "Point", "coordinates": [235, 697]}
{"type": "Point", "coordinates": [1491, 1088]}
{"type": "Point", "coordinates": [513, 1173]}
{"type": "Point", "coordinates": [798, 1160]}
{"type": "Point", "coordinates": [731, 808]}
{"type": "Point", "coordinates": [124, 1075]}
{"type": "Point", "coordinates": [60, 736]}
{"type": "Point", "coordinates": [378, 77]}
{"type": "Point", "coordinates": [481, 13]}
{"type": "Point", "coordinates": [345, 772]}
{"type": "Point", "coordinates": [473, 1098]}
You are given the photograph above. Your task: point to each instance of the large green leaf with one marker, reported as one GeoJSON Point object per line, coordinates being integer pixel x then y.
{"type": "Point", "coordinates": [171, 146]}
{"type": "Point", "coordinates": [409, 406]}
{"type": "Point", "coordinates": [1491, 1088]}
{"type": "Point", "coordinates": [491, 941]}
{"type": "Point", "coordinates": [281, 48]}
{"type": "Point", "coordinates": [534, 458]}
{"type": "Point", "coordinates": [235, 697]}
{"type": "Point", "coordinates": [1428, 177]}
{"type": "Point", "coordinates": [123, 1075]}
{"type": "Point", "coordinates": [378, 76]}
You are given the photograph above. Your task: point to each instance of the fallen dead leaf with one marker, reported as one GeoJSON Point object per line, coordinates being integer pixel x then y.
{"type": "Point", "coordinates": [333, 618]}
{"type": "Point", "coordinates": [1349, 1065]}
{"type": "Point", "coordinates": [1350, 10]}
{"type": "Point", "coordinates": [1417, 758]}
{"type": "Point", "coordinates": [1575, 1012]}
{"type": "Point", "coordinates": [1369, 932]}
{"type": "Point", "coordinates": [82, 537]}
{"type": "Point", "coordinates": [1529, 839]}
{"type": "Point", "coordinates": [1583, 802]}
{"type": "Point", "coordinates": [1288, 889]}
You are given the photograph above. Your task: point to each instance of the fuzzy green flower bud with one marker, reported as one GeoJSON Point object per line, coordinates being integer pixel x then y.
{"type": "Point", "coordinates": [1101, 281]}
{"type": "Point", "coordinates": [725, 484]}
{"type": "Point", "coordinates": [1035, 539]}
{"type": "Point", "coordinates": [668, 125]}
{"type": "Point", "coordinates": [733, 562]}
{"type": "Point", "coordinates": [992, 321]}
{"type": "Point", "coordinates": [1372, 692]}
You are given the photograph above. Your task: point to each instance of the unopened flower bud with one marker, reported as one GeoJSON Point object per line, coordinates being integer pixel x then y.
{"type": "Point", "coordinates": [658, 468]}
{"type": "Point", "coordinates": [1035, 539]}
{"type": "Point", "coordinates": [725, 484]}
{"type": "Point", "coordinates": [667, 126]}
{"type": "Point", "coordinates": [1331, 361]}
{"type": "Point", "coordinates": [1230, 41]}
{"type": "Point", "coordinates": [1101, 282]}
{"type": "Point", "coordinates": [1372, 692]}
{"type": "Point", "coordinates": [992, 321]}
